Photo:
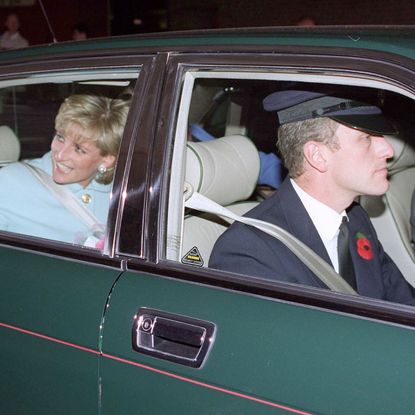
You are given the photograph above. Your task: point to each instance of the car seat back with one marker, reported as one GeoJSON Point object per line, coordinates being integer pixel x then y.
{"type": "Point", "coordinates": [226, 171]}
{"type": "Point", "coordinates": [391, 212]}
{"type": "Point", "coordinates": [9, 146]}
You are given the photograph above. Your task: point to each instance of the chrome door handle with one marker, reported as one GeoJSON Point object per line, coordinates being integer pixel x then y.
{"type": "Point", "coordinates": [172, 337]}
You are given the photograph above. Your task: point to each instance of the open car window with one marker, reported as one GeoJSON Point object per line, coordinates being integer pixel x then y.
{"type": "Point", "coordinates": [28, 107]}
{"type": "Point", "coordinates": [225, 148]}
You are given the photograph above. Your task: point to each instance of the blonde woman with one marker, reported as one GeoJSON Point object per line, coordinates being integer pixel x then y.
{"type": "Point", "coordinates": [81, 163]}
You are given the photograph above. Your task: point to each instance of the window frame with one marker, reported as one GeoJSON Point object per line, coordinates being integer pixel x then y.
{"type": "Point", "coordinates": [42, 69]}
{"type": "Point", "coordinates": [385, 68]}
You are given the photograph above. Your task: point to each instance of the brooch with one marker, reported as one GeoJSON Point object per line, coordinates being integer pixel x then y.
{"type": "Point", "coordinates": [364, 247]}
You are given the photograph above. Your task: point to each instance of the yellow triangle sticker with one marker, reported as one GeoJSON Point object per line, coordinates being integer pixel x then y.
{"type": "Point", "coordinates": [193, 257]}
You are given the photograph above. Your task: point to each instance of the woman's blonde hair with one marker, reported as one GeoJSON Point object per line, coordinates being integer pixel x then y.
{"type": "Point", "coordinates": [102, 119]}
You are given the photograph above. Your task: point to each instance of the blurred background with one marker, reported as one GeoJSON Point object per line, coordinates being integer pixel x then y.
{"type": "Point", "coordinates": [97, 18]}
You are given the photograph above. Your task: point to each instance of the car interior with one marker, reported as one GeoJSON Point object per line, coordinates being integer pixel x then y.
{"type": "Point", "coordinates": [28, 106]}
{"type": "Point", "coordinates": [226, 114]}
{"type": "Point", "coordinates": [9, 146]}
{"type": "Point", "coordinates": [391, 212]}
{"type": "Point", "coordinates": [222, 133]}
{"type": "Point", "coordinates": [233, 157]}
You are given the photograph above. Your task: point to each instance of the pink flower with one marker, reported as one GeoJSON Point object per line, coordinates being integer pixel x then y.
{"type": "Point", "coordinates": [100, 244]}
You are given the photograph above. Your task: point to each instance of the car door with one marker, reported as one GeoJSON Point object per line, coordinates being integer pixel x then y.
{"type": "Point", "coordinates": [179, 337]}
{"type": "Point", "coordinates": [54, 294]}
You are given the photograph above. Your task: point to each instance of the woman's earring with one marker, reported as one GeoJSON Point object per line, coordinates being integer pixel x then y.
{"type": "Point", "coordinates": [102, 169]}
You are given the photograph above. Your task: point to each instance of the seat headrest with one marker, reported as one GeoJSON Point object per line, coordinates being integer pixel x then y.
{"type": "Point", "coordinates": [404, 154]}
{"type": "Point", "coordinates": [9, 146]}
{"type": "Point", "coordinates": [225, 170]}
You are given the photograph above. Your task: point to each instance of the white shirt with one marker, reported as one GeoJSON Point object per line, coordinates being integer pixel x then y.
{"type": "Point", "coordinates": [326, 220]}
{"type": "Point", "coordinates": [14, 41]}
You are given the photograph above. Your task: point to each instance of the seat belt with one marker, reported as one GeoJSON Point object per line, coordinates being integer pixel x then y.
{"type": "Point", "coordinates": [66, 198]}
{"type": "Point", "coordinates": [314, 262]}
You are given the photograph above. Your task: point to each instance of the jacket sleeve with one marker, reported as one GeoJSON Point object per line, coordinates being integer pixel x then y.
{"type": "Point", "coordinates": [245, 250]}
{"type": "Point", "coordinates": [396, 288]}
{"type": "Point", "coordinates": [242, 251]}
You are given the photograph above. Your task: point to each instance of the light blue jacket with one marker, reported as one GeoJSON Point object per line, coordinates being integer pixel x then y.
{"type": "Point", "coordinates": [28, 207]}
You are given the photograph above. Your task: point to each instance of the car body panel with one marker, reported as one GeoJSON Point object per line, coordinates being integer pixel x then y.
{"type": "Point", "coordinates": [395, 39]}
{"type": "Point", "coordinates": [296, 361]}
{"type": "Point", "coordinates": [51, 313]}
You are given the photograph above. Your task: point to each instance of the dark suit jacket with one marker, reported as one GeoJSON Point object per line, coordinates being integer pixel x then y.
{"type": "Point", "coordinates": [247, 250]}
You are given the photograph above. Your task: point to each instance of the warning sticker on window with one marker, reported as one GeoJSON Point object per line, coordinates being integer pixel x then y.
{"type": "Point", "coordinates": [193, 257]}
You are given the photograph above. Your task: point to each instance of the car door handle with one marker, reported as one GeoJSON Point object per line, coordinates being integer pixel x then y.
{"type": "Point", "coordinates": [172, 337]}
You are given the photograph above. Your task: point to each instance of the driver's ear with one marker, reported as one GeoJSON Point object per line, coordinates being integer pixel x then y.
{"type": "Point", "coordinates": [315, 155]}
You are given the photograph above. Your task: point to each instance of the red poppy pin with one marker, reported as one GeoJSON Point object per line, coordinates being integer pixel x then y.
{"type": "Point", "coordinates": [364, 247]}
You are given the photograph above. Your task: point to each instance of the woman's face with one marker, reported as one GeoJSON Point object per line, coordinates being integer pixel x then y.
{"type": "Point", "coordinates": [76, 158]}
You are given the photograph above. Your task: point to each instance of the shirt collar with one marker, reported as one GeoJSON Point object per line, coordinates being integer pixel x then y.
{"type": "Point", "coordinates": [326, 220]}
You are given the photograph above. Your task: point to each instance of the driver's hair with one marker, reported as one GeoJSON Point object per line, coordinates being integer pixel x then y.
{"type": "Point", "coordinates": [293, 136]}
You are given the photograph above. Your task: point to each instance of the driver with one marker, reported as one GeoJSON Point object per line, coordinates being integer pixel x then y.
{"type": "Point", "coordinates": [334, 151]}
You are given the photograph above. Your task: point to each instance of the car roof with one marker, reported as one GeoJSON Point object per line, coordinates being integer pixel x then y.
{"type": "Point", "coordinates": [392, 39]}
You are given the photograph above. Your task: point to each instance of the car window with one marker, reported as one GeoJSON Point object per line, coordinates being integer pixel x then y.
{"type": "Point", "coordinates": [224, 136]}
{"type": "Point", "coordinates": [34, 203]}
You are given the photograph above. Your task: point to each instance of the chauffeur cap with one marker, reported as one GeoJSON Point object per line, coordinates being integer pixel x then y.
{"type": "Point", "coordinates": [295, 105]}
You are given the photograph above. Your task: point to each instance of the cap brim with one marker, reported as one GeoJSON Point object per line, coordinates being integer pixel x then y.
{"type": "Point", "coordinates": [375, 124]}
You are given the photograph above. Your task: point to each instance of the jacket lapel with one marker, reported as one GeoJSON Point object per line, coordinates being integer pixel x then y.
{"type": "Point", "coordinates": [300, 225]}
{"type": "Point", "coordinates": [365, 265]}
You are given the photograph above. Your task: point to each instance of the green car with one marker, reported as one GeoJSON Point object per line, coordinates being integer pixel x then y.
{"type": "Point", "coordinates": [144, 325]}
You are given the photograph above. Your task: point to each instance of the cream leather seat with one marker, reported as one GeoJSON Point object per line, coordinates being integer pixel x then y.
{"type": "Point", "coordinates": [391, 212]}
{"type": "Point", "coordinates": [226, 171]}
{"type": "Point", "coordinates": [9, 146]}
